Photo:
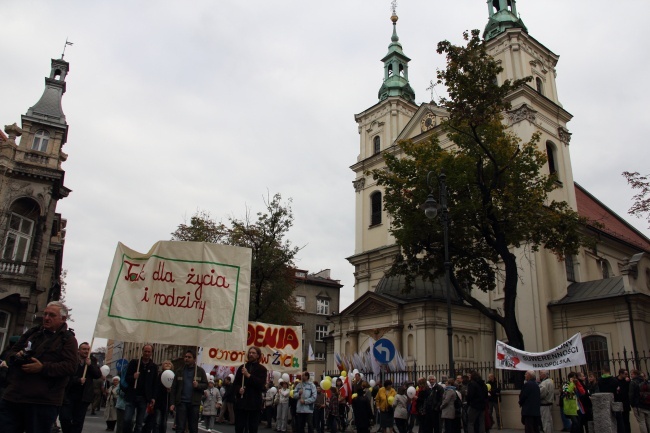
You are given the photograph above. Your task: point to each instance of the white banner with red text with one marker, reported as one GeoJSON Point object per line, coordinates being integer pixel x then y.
{"type": "Point", "coordinates": [568, 354]}
{"type": "Point", "coordinates": [281, 349]}
{"type": "Point", "coordinates": [188, 293]}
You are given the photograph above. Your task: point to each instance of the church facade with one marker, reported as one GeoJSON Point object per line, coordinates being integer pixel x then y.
{"type": "Point", "coordinates": [31, 231]}
{"type": "Point", "coordinates": [603, 292]}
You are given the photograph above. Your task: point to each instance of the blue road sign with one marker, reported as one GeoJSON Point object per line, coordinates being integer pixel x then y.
{"type": "Point", "coordinates": [120, 364]}
{"type": "Point", "coordinates": [384, 351]}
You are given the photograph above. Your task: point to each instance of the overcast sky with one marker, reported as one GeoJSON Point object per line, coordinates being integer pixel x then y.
{"type": "Point", "coordinates": [177, 106]}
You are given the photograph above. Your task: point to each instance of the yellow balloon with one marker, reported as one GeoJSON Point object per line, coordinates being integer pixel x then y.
{"type": "Point", "coordinates": [354, 395]}
{"type": "Point", "coordinates": [328, 378]}
{"type": "Point", "coordinates": [326, 384]}
{"type": "Point", "coordinates": [344, 373]}
{"type": "Point", "coordinates": [489, 387]}
{"type": "Point", "coordinates": [291, 393]}
{"type": "Point", "coordinates": [391, 399]}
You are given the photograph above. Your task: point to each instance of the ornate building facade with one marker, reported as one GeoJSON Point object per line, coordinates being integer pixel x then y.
{"type": "Point", "coordinates": [31, 231]}
{"type": "Point", "coordinates": [603, 292]}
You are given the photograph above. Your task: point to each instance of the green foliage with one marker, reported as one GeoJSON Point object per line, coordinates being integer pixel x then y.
{"type": "Point", "coordinates": [272, 273]}
{"type": "Point", "coordinates": [497, 194]}
{"type": "Point", "coordinates": [642, 198]}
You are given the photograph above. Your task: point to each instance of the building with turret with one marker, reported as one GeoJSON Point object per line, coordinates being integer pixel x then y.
{"type": "Point", "coordinates": [31, 231]}
{"type": "Point", "coordinates": [602, 292]}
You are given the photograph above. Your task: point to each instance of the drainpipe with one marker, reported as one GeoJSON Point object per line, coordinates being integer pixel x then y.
{"type": "Point", "coordinates": [629, 316]}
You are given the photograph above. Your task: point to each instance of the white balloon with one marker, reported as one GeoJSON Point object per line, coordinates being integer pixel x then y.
{"type": "Point", "coordinates": [105, 369]}
{"type": "Point", "coordinates": [167, 378]}
{"type": "Point", "coordinates": [410, 392]}
{"type": "Point", "coordinates": [355, 371]}
{"type": "Point", "coordinates": [277, 374]}
{"type": "Point", "coordinates": [372, 383]}
{"type": "Point", "coordinates": [273, 390]}
{"type": "Point", "coordinates": [361, 375]}
{"type": "Point", "coordinates": [210, 378]}
{"type": "Point", "coordinates": [232, 377]}
{"type": "Point", "coordinates": [285, 377]}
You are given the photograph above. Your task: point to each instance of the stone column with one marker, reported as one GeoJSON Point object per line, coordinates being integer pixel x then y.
{"type": "Point", "coordinates": [604, 418]}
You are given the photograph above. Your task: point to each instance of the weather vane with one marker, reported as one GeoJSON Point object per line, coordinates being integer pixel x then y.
{"type": "Point", "coordinates": [393, 6]}
{"type": "Point", "coordinates": [64, 47]}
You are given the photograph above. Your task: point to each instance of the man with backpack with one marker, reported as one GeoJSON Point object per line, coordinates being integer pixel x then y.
{"type": "Point", "coordinates": [640, 400]}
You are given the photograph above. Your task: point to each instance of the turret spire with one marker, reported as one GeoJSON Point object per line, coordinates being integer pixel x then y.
{"type": "Point", "coordinates": [503, 15]}
{"type": "Point", "coordinates": [48, 109]}
{"type": "Point", "coordinates": [396, 81]}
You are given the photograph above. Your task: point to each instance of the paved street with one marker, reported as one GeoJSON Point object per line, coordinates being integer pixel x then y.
{"type": "Point", "coordinates": [96, 424]}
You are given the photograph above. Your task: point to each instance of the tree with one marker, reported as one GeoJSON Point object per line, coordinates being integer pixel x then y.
{"type": "Point", "coordinates": [272, 268]}
{"type": "Point", "coordinates": [497, 195]}
{"type": "Point", "coordinates": [642, 199]}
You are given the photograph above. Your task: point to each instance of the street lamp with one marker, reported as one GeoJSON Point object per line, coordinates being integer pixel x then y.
{"type": "Point", "coordinates": [431, 208]}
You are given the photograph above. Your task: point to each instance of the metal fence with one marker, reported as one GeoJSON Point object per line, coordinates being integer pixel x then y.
{"type": "Point", "coordinates": [509, 379]}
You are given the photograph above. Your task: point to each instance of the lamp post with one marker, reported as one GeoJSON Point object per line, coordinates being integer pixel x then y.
{"type": "Point", "coordinates": [431, 208]}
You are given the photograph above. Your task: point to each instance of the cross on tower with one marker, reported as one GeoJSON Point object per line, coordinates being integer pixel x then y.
{"type": "Point", "coordinates": [431, 86]}
{"type": "Point", "coordinates": [393, 5]}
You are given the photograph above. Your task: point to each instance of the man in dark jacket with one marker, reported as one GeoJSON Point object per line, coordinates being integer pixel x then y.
{"type": "Point", "coordinates": [250, 380]}
{"type": "Point", "coordinates": [142, 381]}
{"type": "Point", "coordinates": [608, 383]}
{"type": "Point", "coordinates": [640, 400]}
{"type": "Point", "coordinates": [476, 402]}
{"type": "Point", "coordinates": [228, 401]}
{"type": "Point", "coordinates": [79, 392]}
{"type": "Point", "coordinates": [624, 397]}
{"type": "Point", "coordinates": [41, 363]}
{"type": "Point", "coordinates": [433, 403]}
{"type": "Point", "coordinates": [187, 391]}
{"type": "Point", "coordinates": [530, 401]}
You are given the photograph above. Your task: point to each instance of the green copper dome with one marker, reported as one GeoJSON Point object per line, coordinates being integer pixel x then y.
{"type": "Point", "coordinates": [503, 15]}
{"type": "Point", "coordinates": [396, 79]}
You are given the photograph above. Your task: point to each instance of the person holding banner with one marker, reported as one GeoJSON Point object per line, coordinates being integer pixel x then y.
{"type": "Point", "coordinates": [142, 383]}
{"type": "Point", "coordinates": [249, 383]}
{"type": "Point", "coordinates": [79, 392]}
{"type": "Point", "coordinates": [187, 392]}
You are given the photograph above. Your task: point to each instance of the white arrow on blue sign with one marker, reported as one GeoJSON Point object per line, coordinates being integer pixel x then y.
{"type": "Point", "coordinates": [384, 351]}
{"type": "Point", "coordinates": [120, 364]}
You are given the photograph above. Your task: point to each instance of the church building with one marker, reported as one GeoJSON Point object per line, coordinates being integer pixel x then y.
{"type": "Point", "coordinates": [603, 292]}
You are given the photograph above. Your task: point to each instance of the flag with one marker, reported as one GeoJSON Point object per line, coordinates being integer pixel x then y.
{"type": "Point", "coordinates": [310, 355]}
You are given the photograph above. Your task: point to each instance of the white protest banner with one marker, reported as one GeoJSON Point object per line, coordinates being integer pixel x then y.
{"type": "Point", "coordinates": [281, 349]}
{"type": "Point", "coordinates": [189, 293]}
{"type": "Point", "coordinates": [568, 354]}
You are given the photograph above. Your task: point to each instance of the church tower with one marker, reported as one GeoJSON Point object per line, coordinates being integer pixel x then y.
{"type": "Point", "coordinates": [379, 127]}
{"type": "Point", "coordinates": [31, 184]}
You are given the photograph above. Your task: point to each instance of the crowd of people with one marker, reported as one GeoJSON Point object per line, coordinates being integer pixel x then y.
{"type": "Point", "coordinates": [45, 375]}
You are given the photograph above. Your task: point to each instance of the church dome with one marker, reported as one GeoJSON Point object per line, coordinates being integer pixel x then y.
{"type": "Point", "coordinates": [395, 286]}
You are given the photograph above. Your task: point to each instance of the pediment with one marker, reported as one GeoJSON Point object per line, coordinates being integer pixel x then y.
{"type": "Point", "coordinates": [370, 304]}
{"type": "Point", "coordinates": [426, 118]}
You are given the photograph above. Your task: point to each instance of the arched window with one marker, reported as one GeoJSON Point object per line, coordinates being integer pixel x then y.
{"type": "Point", "coordinates": [41, 139]}
{"type": "Point", "coordinates": [376, 144]}
{"type": "Point", "coordinates": [540, 86]}
{"type": "Point", "coordinates": [606, 268]}
{"type": "Point", "coordinates": [375, 208]}
{"type": "Point", "coordinates": [551, 155]}
{"type": "Point", "coordinates": [4, 327]}
{"type": "Point", "coordinates": [595, 353]}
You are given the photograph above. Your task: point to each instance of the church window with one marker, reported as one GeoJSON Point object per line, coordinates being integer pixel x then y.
{"type": "Point", "coordinates": [41, 139]}
{"type": "Point", "coordinates": [375, 208]}
{"type": "Point", "coordinates": [596, 355]}
{"type": "Point", "coordinates": [4, 327]}
{"type": "Point", "coordinates": [570, 268]}
{"type": "Point", "coordinates": [605, 267]}
{"type": "Point", "coordinates": [401, 70]}
{"type": "Point", "coordinates": [551, 156]}
{"type": "Point", "coordinates": [376, 144]}
{"type": "Point", "coordinates": [57, 74]}
{"type": "Point", "coordinates": [390, 70]}
{"type": "Point", "coordinates": [540, 86]}
{"type": "Point", "coordinates": [321, 332]}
